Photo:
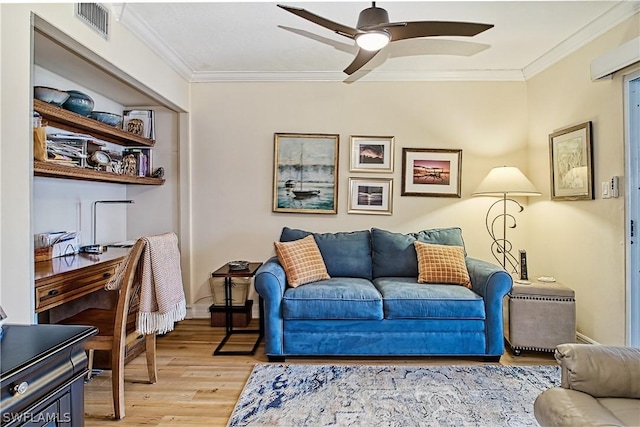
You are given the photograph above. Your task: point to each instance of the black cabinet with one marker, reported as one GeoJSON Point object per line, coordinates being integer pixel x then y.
{"type": "Point", "coordinates": [42, 369]}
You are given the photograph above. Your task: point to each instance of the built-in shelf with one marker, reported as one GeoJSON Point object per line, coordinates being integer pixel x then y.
{"type": "Point", "coordinates": [68, 120]}
{"type": "Point", "coordinates": [53, 170]}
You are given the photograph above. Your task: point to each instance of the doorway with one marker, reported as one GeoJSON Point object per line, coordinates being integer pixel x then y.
{"type": "Point", "coordinates": [632, 143]}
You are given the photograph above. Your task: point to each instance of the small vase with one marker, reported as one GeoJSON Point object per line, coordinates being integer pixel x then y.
{"type": "Point", "coordinates": [79, 103]}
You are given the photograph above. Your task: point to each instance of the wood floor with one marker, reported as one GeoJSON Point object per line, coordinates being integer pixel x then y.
{"type": "Point", "coordinates": [195, 388]}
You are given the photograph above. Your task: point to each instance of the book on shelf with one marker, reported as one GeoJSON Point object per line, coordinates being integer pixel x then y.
{"type": "Point", "coordinates": [139, 122]}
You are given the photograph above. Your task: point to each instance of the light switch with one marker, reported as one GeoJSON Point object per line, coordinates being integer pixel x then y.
{"type": "Point", "coordinates": [606, 193]}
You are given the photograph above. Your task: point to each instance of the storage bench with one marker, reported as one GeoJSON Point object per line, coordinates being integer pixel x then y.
{"type": "Point", "coordinates": [539, 316]}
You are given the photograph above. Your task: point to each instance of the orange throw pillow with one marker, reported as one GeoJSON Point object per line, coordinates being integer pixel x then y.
{"type": "Point", "coordinates": [302, 261]}
{"type": "Point", "coordinates": [441, 264]}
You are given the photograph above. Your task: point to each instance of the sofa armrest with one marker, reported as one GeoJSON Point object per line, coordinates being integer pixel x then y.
{"type": "Point", "coordinates": [599, 370]}
{"type": "Point", "coordinates": [558, 407]}
{"type": "Point", "coordinates": [270, 283]}
{"type": "Point", "coordinates": [492, 283]}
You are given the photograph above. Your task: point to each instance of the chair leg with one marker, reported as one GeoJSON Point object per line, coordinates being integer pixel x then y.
{"type": "Point", "coordinates": [89, 364]}
{"type": "Point", "coordinates": [117, 382]}
{"type": "Point", "coordinates": [150, 351]}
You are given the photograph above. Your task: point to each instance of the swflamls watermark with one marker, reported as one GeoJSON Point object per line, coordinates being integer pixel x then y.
{"type": "Point", "coordinates": [39, 418]}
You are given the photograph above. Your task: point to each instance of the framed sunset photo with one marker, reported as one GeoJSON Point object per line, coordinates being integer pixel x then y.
{"type": "Point", "coordinates": [431, 172]}
{"type": "Point", "coordinates": [372, 154]}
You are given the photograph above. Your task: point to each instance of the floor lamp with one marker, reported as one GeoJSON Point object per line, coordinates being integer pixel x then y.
{"type": "Point", "coordinates": [503, 182]}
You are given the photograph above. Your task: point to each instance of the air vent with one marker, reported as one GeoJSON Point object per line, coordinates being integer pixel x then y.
{"type": "Point", "coordinates": [96, 16]}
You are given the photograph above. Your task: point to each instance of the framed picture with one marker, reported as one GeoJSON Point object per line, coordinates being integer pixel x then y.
{"type": "Point", "coordinates": [370, 196]}
{"type": "Point", "coordinates": [372, 154]}
{"type": "Point", "coordinates": [431, 172]}
{"type": "Point", "coordinates": [305, 173]}
{"type": "Point", "coordinates": [570, 158]}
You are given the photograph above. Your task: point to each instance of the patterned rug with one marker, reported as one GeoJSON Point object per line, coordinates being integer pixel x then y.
{"type": "Point", "coordinates": [403, 396]}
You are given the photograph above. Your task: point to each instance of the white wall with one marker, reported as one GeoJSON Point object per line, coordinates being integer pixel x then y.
{"type": "Point", "coordinates": [232, 158]}
{"type": "Point", "coordinates": [125, 52]}
{"type": "Point", "coordinates": [581, 243]}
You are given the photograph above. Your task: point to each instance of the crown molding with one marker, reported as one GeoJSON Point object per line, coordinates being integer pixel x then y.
{"type": "Point", "coordinates": [373, 76]}
{"type": "Point", "coordinates": [614, 16]}
{"type": "Point", "coordinates": [449, 75]}
{"type": "Point", "coordinates": [132, 22]}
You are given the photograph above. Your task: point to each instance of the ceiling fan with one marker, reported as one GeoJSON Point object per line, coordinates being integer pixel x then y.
{"type": "Point", "coordinates": [374, 31]}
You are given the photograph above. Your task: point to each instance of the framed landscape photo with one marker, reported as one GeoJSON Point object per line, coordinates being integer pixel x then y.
{"type": "Point", "coordinates": [370, 196]}
{"type": "Point", "coordinates": [431, 172]}
{"type": "Point", "coordinates": [305, 173]}
{"type": "Point", "coordinates": [571, 168]}
{"type": "Point", "coordinates": [372, 154]}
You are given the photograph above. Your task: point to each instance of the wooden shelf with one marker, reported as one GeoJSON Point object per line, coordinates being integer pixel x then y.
{"type": "Point", "coordinates": [68, 120]}
{"type": "Point", "coordinates": [53, 170]}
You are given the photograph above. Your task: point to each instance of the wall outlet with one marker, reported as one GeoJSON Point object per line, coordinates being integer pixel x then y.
{"type": "Point", "coordinates": [606, 193]}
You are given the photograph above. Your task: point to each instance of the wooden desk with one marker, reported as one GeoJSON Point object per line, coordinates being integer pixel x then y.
{"type": "Point", "coordinates": [67, 285]}
{"type": "Point", "coordinates": [60, 281]}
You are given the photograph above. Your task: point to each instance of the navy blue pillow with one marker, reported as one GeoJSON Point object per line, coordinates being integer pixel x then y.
{"type": "Point", "coordinates": [345, 254]}
{"type": "Point", "coordinates": [394, 254]}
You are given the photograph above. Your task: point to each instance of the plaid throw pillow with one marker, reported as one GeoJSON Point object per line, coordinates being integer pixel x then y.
{"type": "Point", "coordinates": [302, 261]}
{"type": "Point", "coordinates": [441, 264]}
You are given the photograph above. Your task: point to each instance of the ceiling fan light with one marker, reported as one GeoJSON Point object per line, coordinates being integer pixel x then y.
{"type": "Point", "coordinates": [373, 40]}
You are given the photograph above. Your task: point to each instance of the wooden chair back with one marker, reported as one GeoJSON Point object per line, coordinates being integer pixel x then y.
{"type": "Point", "coordinates": [128, 298]}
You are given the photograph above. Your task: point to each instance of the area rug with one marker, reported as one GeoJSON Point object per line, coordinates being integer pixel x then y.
{"type": "Point", "coordinates": [320, 395]}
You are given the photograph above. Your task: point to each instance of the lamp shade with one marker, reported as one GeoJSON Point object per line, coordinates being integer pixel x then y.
{"type": "Point", "coordinates": [505, 180]}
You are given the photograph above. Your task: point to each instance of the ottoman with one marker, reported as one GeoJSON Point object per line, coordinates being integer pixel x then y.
{"type": "Point", "coordinates": [539, 316]}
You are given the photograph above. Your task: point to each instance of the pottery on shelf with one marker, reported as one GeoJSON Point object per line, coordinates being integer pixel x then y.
{"type": "Point", "coordinates": [50, 95]}
{"type": "Point", "coordinates": [108, 118]}
{"type": "Point", "coordinates": [79, 103]}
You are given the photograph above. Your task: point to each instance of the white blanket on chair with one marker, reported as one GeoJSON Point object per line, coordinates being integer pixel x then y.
{"type": "Point", "coordinates": [162, 300]}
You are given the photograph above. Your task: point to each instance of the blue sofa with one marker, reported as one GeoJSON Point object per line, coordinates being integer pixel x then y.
{"type": "Point", "coordinates": [373, 304]}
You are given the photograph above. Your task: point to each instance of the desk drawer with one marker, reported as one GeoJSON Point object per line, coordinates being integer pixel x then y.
{"type": "Point", "coordinates": [63, 288]}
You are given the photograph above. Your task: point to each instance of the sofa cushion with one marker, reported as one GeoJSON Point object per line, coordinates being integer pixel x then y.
{"type": "Point", "coordinates": [346, 254]}
{"type": "Point", "coordinates": [336, 298]}
{"type": "Point", "coordinates": [441, 264]}
{"type": "Point", "coordinates": [394, 254]}
{"type": "Point", "coordinates": [405, 298]}
{"type": "Point", "coordinates": [302, 261]}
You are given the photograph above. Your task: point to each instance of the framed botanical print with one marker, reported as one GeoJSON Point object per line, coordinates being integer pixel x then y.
{"type": "Point", "coordinates": [372, 154]}
{"type": "Point", "coordinates": [305, 173]}
{"type": "Point", "coordinates": [570, 158]}
{"type": "Point", "coordinates": [431, 172]}
{"type": "Point", "coordinates": [370, 196]}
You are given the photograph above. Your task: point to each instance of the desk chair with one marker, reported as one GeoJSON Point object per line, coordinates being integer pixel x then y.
{"type": "Point", "coordinates": [117, 327]}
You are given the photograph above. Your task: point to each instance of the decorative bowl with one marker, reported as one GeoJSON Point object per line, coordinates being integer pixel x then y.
{"type": "Point", "coordinates": [105, 117]}
{"type": "Point", "coordinates": [50, 95]}
{"type": "Point", "coordinates": [79, 103]}
{"type": "Point", "coordinates": [238, 265]}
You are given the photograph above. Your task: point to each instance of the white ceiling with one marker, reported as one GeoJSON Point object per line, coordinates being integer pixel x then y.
{"type": "Point", "coordinates": [242, 41]}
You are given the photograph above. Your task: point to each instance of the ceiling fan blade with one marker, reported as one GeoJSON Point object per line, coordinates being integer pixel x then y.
{"type": "Point", "coordinates": [360, 60]}
{"type": "Point", "coordinates": [436, 28]}
{"type": "Point", "coordinates": [326, 23]}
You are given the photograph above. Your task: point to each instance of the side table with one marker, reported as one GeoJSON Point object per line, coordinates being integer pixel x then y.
{"type": "Point", "coordinates": [539, 316]}
{"type": "Point", "coordinates": [227, 273]}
